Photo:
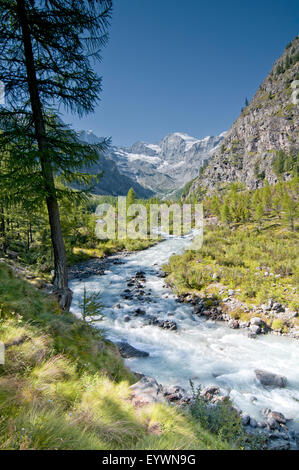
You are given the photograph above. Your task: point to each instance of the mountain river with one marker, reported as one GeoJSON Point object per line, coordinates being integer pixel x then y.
{"type": "Point", "coordinates": [205, 351]}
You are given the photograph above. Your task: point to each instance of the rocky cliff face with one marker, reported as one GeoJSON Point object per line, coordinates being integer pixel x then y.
{"type": "Point", "coordinates": [267, 125]}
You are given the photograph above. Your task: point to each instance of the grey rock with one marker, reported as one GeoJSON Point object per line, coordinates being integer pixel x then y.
{"type": "Point", "coordinates": [265, 412]}
{"type": "Point", "coordinates": [270, 303]}
{"type": "Point", "coordinates": [167, 325]}
{"type": "Point", "coordinates": [256, 321]}
{"type": "Point", "coordinates": [234, 324]}
{"type": "Point", "coordinates": [245, 419]}
{"type": "Point", "coordinates": [127, 351]}
{"type": "Point", "coordinates": [147, 390]}
{"type": "Point", "coordinates": [270, 379]}
{"type": "Point", "coordinates": [198, 309]}
{"type": "Point", "coordinates": [261, 424]}
{"type": "Point", "coordinates": [139, 312]}
{"type": "Point", "coordinates": [253, 423]}
{"type": "Point", "coordinates": [279, 417]}
{"type": "Point", "coordinates": [255, 329]}
{"type": "Point", "coordinates": [210, 391]}
{"type": "Point", "coordinates": [272, 423]}
{"type": "Point", "coordinates": [276, 306]}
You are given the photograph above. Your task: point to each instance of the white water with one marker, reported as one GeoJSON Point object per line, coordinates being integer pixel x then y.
{"type": "Point", "coordinates": [204, 351]}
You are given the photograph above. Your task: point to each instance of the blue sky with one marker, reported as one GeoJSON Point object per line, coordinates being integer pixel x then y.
{"type": "Point", "coordinates": [185, 65]}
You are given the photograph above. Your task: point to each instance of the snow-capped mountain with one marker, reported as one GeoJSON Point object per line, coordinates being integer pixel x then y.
{"type": "Point", "coordinates": [164, 166]}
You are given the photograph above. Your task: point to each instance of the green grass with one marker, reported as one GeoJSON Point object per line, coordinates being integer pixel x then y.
{"type": "Point", "coordinates": [106, 248]}
{"type": "Point", "coordinates": [240, 256]}
{"type": "Point", "coordinates": [63, 386]}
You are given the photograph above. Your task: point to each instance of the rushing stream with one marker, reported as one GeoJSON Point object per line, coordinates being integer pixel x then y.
{"type": "Point", "coordinates": [205, 351]}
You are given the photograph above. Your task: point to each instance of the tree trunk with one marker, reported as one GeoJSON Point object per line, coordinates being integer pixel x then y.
{"type": "Point", "coordinates": [2, 228]}
{"type": "Point", "coordinates": [61, 278]}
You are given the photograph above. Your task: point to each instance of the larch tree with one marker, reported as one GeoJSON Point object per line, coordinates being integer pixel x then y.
{"type": "Point", "coordinates": [47, 52]}
{"type": "Point", "coordinates": [131, 197]}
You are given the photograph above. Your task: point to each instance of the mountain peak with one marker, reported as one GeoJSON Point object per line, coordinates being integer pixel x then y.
{"type": "Point", "coordinates": [160, 167]}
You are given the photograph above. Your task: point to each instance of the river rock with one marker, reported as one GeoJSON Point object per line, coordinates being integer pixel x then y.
{"type": "Point", "coordinates": [140, 275]}
{"type": "Point", "coordinates": [261, 424]}
{"type": "Point", "coordinates": [265, 412]}
{"type": "Point", "coordinates": [253, 423]}
{"type": "Point", "coordinates": [234, 324]}
{"type": "Point", "coordinates": [279, 417]}
{"type": "Point", "coordinates": [244, 324]}
{"type": "Point", "coordinates": [210, 391]}
{"type": "Point", "coordinates": [255, 329]}
{"type": "Point", "coordinates": [139, 312]}
{"type": "Point", "coordinates": [162, 274]}
{"type": "Point", "coordinates": [278, 307]}
{"type": "Point", "coordinates": [256, 321]}
{"type": "Point", "coordinates": [146, 391]}
{"type": "Point", "coordinates": [174, 393]}
{"type": "Point", "coordinates": [270, 303]}
{"type": "Point", "coordinates": [198, 309]}
{"type": "Point", "coordinates": [127, 351]}
{"type": "Point", "coordinates": [245, 419]}
{"type": "Point", "coordinates": [272, 423]}
{"type": "Point", "coordinates": [127, 296]}
{"type": "Point", "coordinates": [167, 325]}
{"type": "Point", "coordinates": [270, 379]}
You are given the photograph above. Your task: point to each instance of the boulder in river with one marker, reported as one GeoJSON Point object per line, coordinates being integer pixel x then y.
{"type": "Point", "coordinates": [140, 275]}
{"type": "Point", "coordinates": [245, 419]}
{"type": "Point", "coordinates": [127, 351]}
{"type": "Point", "coordinates": [234, 324]}
{"type": "Point", "coordinates": [253, 422]}
{"type": "Point", "coordinates": [139, 312]}
{"type": "Point", "coordinates": [270, 379]}
{"type": "Point", "coordinates": [168, 325]}
{"type": "Point", "coordinates": [255, 329]}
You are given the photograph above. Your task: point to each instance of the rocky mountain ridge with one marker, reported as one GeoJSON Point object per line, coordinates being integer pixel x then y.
{"type": "Point", "coordinates": [266, 129]}
{"type": "Point", "coordinates": [157, 168]}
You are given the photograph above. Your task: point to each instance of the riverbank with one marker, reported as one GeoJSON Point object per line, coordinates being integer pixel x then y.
{"type": "Point", "coordinates": [246, 274]}
{"type": "Point", "coordinates": [64, 386]}
{"type": "Point", "coordinates": [173, 343]}
{"type": "Point", "coordinates": [210, 404]}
